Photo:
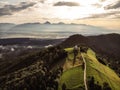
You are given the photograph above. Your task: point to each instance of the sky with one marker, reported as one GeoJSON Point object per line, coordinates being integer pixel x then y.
{"type": "Point", "coordinates": [102, 13]}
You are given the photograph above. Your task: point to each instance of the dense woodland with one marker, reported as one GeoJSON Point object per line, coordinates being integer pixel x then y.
{"type": "Point", "coordinates": [38, 76]}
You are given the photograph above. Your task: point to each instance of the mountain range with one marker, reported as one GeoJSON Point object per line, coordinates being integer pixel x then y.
{"type": "Point", "coordinates": [12, 26]}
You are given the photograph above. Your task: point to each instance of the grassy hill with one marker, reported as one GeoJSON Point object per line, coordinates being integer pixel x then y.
{"type": "Point", "coordinates": [72, 76]}
{"type": "Point", "coordinates": [101, 44]}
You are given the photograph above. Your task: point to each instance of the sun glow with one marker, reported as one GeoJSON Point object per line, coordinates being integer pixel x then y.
{"type": "Point", "coordinates": [85, 9]}
{"type": "Point", "coordinates": [67, 11]}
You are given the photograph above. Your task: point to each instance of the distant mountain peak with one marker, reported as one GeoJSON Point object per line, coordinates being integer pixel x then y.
{"type": "Point", "coordinates": [47, 22]}
{"type": "Point", "coordinates": [61, 23]}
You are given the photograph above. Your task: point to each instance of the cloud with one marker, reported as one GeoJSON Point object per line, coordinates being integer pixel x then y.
{"type": "Point", "coordinates": [9, 9]}
{"type": "Point", "coordinates": [97, 5]}
{"type": "Point", "coordinates": [66, 4]}
{"type": "Point", "coordinates": [112, 14]}
{"type": "Point", "coordinates": [113, 6]}
{"type": "Point", "coordinates": [102, 0]}
{"type": "Point", "coordinates": [3, 3]}
{"type": "Point", "coordinates": [41, 1]}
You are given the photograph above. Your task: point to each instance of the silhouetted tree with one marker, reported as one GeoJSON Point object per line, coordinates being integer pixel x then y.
{"type": "Point", "coordinates": [106, 86]}
{"type": "Point", "coordinates": [63, 86]}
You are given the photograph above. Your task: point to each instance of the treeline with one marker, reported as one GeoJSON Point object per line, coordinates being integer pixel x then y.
{"type": "Point", "coordinates": [52, 55]}
{"type": "Point", "coordinates": [111, 62]}
{"type": "Point", "coordinates": [92, 85]}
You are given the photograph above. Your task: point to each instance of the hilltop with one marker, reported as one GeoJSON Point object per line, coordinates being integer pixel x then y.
{"type": "Point", "coordinates": [100, 43]}
{"type": "Point", "coordinates": [106, 46]}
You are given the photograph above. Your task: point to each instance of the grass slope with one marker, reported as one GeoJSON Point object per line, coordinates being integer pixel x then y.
{"type": "Point", "coordinates": [101, 72]}
{"type": "Point", "coordinates": [73, 76]}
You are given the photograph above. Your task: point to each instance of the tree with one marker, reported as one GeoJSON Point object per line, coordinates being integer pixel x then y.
{"type": "Point", "coordinates": [63, 86]}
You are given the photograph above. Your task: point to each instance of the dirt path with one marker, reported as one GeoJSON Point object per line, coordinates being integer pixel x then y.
{"type": "Point", "coordinates": [85, 82]}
